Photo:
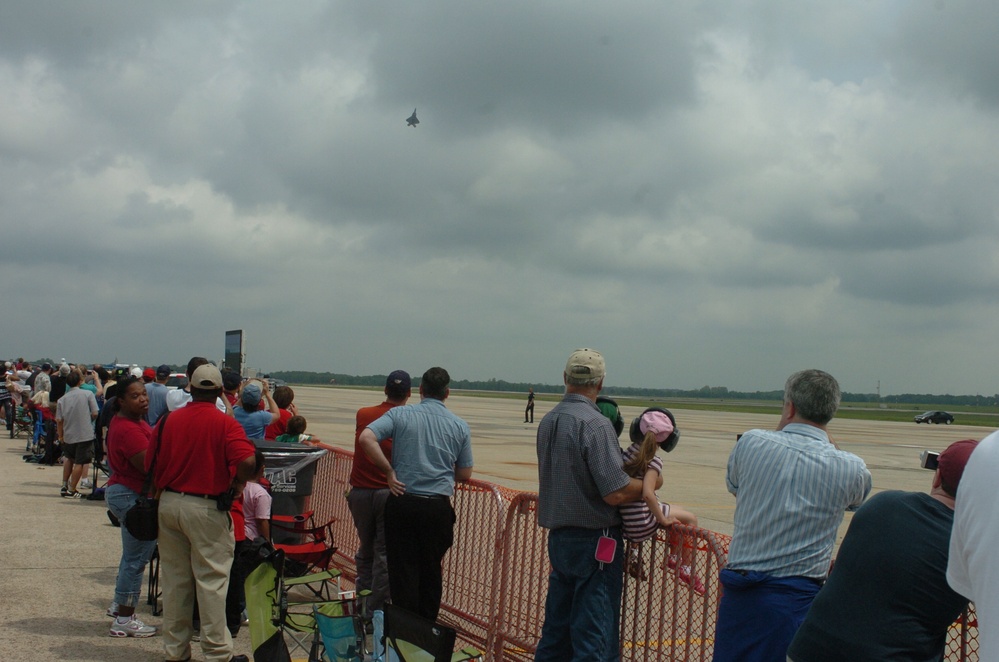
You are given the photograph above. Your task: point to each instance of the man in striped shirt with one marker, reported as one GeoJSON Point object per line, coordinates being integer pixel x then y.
{"type": "Point", "coordinates": [792, 487]}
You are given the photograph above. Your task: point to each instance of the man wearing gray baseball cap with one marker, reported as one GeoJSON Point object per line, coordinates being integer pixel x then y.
{"type": "Point", "coordinates": [581, 483]}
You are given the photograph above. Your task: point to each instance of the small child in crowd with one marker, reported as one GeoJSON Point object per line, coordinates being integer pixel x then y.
{"type": "Point", "coordinates": [655, 429]}
{"type": "Point", "coordinates": [295, 433]}
{"type": "Point", "coordinates": [257, 505]}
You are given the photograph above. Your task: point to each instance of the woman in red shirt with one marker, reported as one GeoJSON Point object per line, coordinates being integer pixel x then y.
{"type": "Point", "coordinates": [127, 441]}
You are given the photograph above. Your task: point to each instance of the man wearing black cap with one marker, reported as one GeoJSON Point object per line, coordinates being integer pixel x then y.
{"type": "Point", "coordinates": [157, 392]}
{"type": "Point", "coordinates": [368, 494]}
{"type": "Point", "coordinates": [887, 597]}
{"type": "Point", "coordinates": [196, 540]}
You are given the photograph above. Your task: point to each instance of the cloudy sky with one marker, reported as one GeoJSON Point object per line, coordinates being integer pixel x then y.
{"type": "Point", "coordinates": [710, 193]}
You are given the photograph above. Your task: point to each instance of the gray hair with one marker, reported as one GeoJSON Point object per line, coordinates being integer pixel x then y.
{"type": "Point", "coordinates": [815, 395]}
{"type": "Point", "coordinates": [579, 380]}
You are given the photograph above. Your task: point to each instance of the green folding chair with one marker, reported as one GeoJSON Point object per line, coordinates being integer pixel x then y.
{"type": "Point", "coordinates": [411, 638]}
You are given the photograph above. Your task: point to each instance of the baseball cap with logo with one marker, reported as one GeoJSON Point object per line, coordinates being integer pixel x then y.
{"type": "Point", "coordinates": [399, 380]}
{"type": "Point", "coordinates": [585, 364]}
{"type": "Point", "coordinates": [206, 378]}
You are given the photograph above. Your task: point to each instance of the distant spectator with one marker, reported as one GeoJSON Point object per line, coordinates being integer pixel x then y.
{"type": "Point", "coordinates": [59, 382]}
{"type": "Point", "coordinates": [247, 413]}
{"type": "Point", "coordinates": [295, 433]}
{"type": "Point", "coordinates": [284, 397]}
{"type": "Point", "coordinates": [148, 375]}
{"type": "Point", "coordinates": [75, 414]}
{"type": "Point", "coordinates": [157, 392]}
{"type": "Point", "coordinates": [179, 397]}
{"type": "Point", "coordinates": [230, 386]}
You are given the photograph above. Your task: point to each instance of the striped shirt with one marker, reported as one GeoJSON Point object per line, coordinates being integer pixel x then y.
{"type": "Point", "coordinates": [639, 522]}
{"type": "Point", "coordinates": [791, 487]}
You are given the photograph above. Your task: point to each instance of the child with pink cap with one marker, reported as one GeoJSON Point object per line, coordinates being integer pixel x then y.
{"type": "Point", "coordinates": [654, 429]}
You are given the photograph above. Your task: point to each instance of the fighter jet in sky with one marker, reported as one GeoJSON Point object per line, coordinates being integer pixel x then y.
{"type": "Point", "coordinates": [412, 120]}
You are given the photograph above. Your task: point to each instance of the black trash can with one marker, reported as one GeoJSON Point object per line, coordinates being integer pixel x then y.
{"type": "Point", "coordinates": [291, 470]}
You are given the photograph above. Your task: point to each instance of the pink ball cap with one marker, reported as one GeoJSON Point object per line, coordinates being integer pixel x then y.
{"type": "Point", "coordinates": [658, 423]}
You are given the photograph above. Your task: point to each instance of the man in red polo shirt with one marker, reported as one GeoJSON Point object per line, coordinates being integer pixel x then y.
{"type": "Point", "coordinates": [201, 456]}
{"type": "Point", "coordinates": [368, 494]}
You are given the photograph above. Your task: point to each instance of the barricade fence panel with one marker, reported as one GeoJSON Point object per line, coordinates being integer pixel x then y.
{"type": "Point", "coordinates": [496, 576]}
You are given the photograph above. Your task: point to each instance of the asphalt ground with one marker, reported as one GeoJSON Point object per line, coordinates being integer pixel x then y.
{"type": "Point", "coordinates": [59, 557]}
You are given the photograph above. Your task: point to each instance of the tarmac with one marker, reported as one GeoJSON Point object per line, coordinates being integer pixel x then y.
{"type": "Point", "coordinates": [60, 556]}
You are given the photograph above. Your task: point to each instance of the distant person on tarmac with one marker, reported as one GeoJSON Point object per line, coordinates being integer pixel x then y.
{"type": "Point", "coordinates": [530, 406]}
{"type": "Point", "coordinates": [791, 489]}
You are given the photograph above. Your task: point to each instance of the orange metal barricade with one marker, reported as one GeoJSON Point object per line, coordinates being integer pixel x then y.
{"type": "Point", "coordinates": [496, 576]}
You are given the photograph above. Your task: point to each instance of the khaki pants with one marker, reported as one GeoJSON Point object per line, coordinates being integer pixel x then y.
{"type": "Point", "coordinates": [196, 549]}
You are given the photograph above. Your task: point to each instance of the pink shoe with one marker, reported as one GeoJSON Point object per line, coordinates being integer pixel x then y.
{"type": "Point", "coordinates": [672, 561]}
{"type": "Point", "coordinates": [693, 581]}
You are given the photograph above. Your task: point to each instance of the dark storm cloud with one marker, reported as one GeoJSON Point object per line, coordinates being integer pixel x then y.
{"type": "Point", "coordinates": [760, 185]}
{"type": "Point", "coordinates": [949, 46]}
{"type": "Point", "coordinates": [556, 66]}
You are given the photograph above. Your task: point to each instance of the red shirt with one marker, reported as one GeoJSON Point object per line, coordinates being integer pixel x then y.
{"type": "Point", "coordinates": [126, 439]}
{"type": "Point", "coordinates": [364, 473]}
{"type": "Point", "coordinates": [238, 520]}
{"type": "Point", "coordinates": [278, 427]}
{"type": "Point", "coordinates": [199, 451]}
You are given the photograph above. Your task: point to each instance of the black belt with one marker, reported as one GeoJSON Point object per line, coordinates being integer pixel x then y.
{"type": "Point", "coordinates": [200, 496]}
{"type": "Point", "coordinates": [426, 496]}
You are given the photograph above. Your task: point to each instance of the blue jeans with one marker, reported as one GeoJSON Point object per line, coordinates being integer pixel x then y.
{"type": "Point", "coordinates": [759, 615]}
{"type": "Point", "coordinates": [135, 554]}
{"type": "Point", "coordinates": [583, 608]}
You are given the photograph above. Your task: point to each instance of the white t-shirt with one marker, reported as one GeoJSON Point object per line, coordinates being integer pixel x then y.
{"type": "Point", "coordinates": [178, 397]}
{"type": "Point", "coordinates": [971, 569]}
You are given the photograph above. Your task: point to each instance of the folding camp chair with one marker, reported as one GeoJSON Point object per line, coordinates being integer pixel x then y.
{"type": "Point", "coordinates": [411, 638]}
{"type": "Point", "coordinates": [277, 620]}
{"type": "Point", "coordinates": [309, 559]}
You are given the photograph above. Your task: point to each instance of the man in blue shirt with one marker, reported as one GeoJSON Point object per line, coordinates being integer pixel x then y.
{"type": "Point", "coordinates": [431, 449]}
{"type": "Point", "coordinates": [792, 487]}
{"type": "Point", "coordinates": [157, 393]}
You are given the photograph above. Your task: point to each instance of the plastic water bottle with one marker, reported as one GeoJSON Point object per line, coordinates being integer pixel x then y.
{"type": "Point", "coordinates": [378, 633]}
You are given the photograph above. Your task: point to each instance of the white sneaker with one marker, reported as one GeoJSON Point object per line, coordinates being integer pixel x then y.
{"type": "Point", "coordinates": [86, 483]}
{"type": "Point", "coordinates": [133, 628]}
{"type": "Point", "coordinates": [112, 611]}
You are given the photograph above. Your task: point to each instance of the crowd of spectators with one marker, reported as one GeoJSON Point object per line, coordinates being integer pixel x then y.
{"type": "Point", "coordinates": [901, 578]}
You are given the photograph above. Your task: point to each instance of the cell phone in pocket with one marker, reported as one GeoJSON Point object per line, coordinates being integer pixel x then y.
{"type": "Point", "coordinates": [606, 547]}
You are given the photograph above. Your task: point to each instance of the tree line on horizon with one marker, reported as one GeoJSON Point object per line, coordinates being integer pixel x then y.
{"type": "Point", "coordinates": [705, 392]}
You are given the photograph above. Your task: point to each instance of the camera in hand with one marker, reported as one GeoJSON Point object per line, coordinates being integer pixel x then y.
{"type": "Point", "coordinates": [929, 460]}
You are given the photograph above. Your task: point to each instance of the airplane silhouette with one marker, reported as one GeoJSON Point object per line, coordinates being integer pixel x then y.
{"type": "Point", "coordinates": [412, 119]}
